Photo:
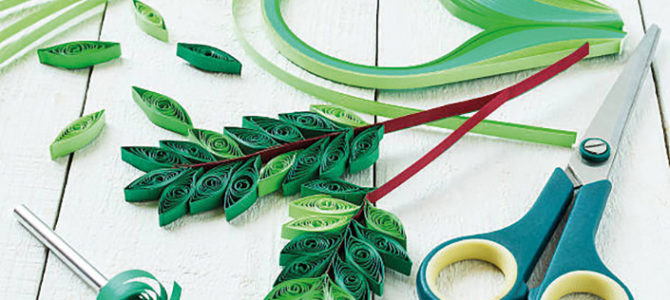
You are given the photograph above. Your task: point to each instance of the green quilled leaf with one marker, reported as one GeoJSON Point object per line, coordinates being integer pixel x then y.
{"type": "Point", "coordinates": [243, 189]}
{"type": "Point", "coordinates": [173, 203]}
{"type": "Point", "coordinates": [150, 21]}
{"type": "Point", "coordinates": [150, 186]}
{"type": "Point", "coordinates": [305, 168]}
{"type": "Point", "coordinates": [218, 144]}
{"type": "Point", "coordinates": [79, 54]}
{"type": "Point", "coordinates": [78, 134]}
{"type": "Point", "coordinates": [335, 156]}
{"type": "Point", "coordinates": [151, 158]}
{"type": "Point", "coordinates": [339, 115]}
{"type": "Point", "coordinates": [162, 110]}
{"type": "Point", "coordinates": [365, 149]}
{"type": "Point", "coordinates": [208, 58]}
{"type": "Point", "coordinates": [273, 173]}
{"type": "Point", "coordinates": [250, 140]}
{"type": "Point", "coordinates": [316, 205]}
{"type": "Point", "coordinates": [309, 123]}
{"type": "Point", "coordinates": [281, 131]}
{"type": "Point", "coordinates": [335, 188]}
{"type": "Point", "coordinates": [191, 151]}
{"type": "Point", "coordinates": [210, 188]}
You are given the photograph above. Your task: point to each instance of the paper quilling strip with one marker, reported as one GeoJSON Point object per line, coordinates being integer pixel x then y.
{"type": "Point", "coordinates": [150, 21]}
{"type": "Point", "coordinates": [78, 134]}
{"type": "Point", "coordinates": [80, 54]}
{"type": "Point", "coordinates": [162, 110]}
{"type": "Point", "coordinates": [209, 58]}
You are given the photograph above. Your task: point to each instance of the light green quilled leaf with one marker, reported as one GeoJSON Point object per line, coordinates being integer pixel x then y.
{"type": "Point", "coordinates": [305, 167]}
{"type": "Point", "coordinates": [78, 134]}
{"type": "Point", "coordinates": [365, 149]}
{"type": "Point", "coordinates": [335, 188]}
{"type": "Point", "coordinates": [163, 110]}
{"type": "Point", "coordinates": [191, 151]}
{"type": "Point", "coordinates": [273, 173]}
{"type": "Point", "coordinates": [310, 123]}
{"type": "Point", "coordinates": [210, 187]}
{"type": "Point", "coordinates": [151, 158]}
{"type": "Point", "coordinates": [218, 144]}
{"type": "Point", "coordinates": [150, 185]}
{"type": "Point", "coordinates": [79, 54]}
{"type": "Point", "coordinates": [208, 58]}
{"type": "Point", "coordinates": [321, 205]}
{"type": "Point", "coordinates": [385, 222]}
{"type": "Point", "coordinates": [242, 190]}
{"type": "Point", "coordinates": [173, 203]}
{"type": "Point", "coordinates": [150, 21]}
{"type": "Point", "coordinates": [328, 224]}
{"type": "Point", "coordinates": [339, 115]}
{"type": "Point", "coordinates": [297, 289]}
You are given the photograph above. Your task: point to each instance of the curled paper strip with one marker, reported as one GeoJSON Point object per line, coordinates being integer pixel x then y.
{"type": "Point", "coordinates": [151, 158]}
{"type": "Point", "coordinates": [150, 186]}
{"type": "Point", "coordinates": [279, 130]}
{"type": "Point", "coordinates": [78, 134]}
{"type": "Point", "coordinates": [209, 58]}
{"type": "Point", "coordinates": [335, 156]}
{"type": "Point", "coordinates": [163, 110]}
{"type": "Point", "coordinates": [131, 284]}
{"type": "Point", "coordinates": [273, 173]}
{"type": "Point", "coordinates": [218, 144]}
{"type": "Point", "coordinates": [173, 203]}
{"type": "Point", "coordinates": [365, 148]}
{"type": "Point", "coordinates": [310, 124]}
{"type": "Point", "coordinates": [210, 187]}
{"type": "Point", "coordinates": [80, 54]}
{"type": "Point", "coordinates": [335, 188]}
{"type": "Point", "coordinates": [250, 140]}
{"type": "Point", "coordinates": [306, 167]}
{"type": "Point", "coordinates": [191, 151]}
{"type": "Point", "coordinates": [243, 189]}
{"type": "Point", "coordinates": [150, 21]}
{"type": "Point", "coordinates": [339, 115]}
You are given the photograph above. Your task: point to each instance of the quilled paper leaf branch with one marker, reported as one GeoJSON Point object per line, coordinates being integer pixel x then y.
{"type": "Point", "coordinates": [78, 134]}
{"type": "Point", "coordinates": [80, 54]}
{"type": "Point", "coordinates": [209, 58]}
{"type": "Point", "coordinates": [162, 110]}
{"type": "Point", "coordinates": [150, 21]}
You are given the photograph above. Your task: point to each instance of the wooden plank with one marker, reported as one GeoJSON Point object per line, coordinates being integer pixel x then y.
{"type": "Point", "coordinates": [483, 184]}
{"type": "Point", "coordinates": [36, 102]}
{"type": "Point", "coordinates": [210, 258]}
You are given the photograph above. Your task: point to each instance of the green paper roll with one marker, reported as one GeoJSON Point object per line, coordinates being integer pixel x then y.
{"type": "Point", "coordinates": [78, 134]}
{"type": "Point", "coordinates": [385, 222]}
{"type": "Point", "coordinates": [335, 188]}
{"type": "Point", "coordinates": [173, 203]}
{"type": "Point", "coordinates": [150, 21]}
{"type": "Point", "coordinates": [335, 156]}
{"type": "Point", "coordinates": [243, 189]}
{"type": "Point", "coordinates": [312, 224]}
{"type": "Point", "coordinates": [321, 205]}
{"type": "Point", "coordinates": [191, 151]}
{"type": "Point", "coordinates": [273, 173]}
{"type": "Point", "coordinates": [311, 244]}
{"type": "Point", "coordinates": [365, 259]}
{"type": "Point", "coordinates": [306, 266]}
{"type": "Point", "coordinates": [306, 167]}
{"type": "Point", "coordinates": [208, 58]}
{"type": "Point", "coordinates": [150, 186]}
{"type": "Point", "coordinates": [350, 280]}
{"type": "Point", "coordinates": [210, 187]}
{"type": "Point", "coordinates": [392, 253]}
{"type": "Point", "coordinates": [365, 149]}
{"type": "Point", "coordinates": [151, 158]}
{"type": "Point", "coordinates": [162, 110]}
{"type": "Point", "coordinates": [218, 144]}
{"type": "Point", "coordinates": [250, 140]}
{"type": "Point", "coordinates": [309, 123]}
{"type": "Point", "coordinates": [339, 115]}
{"type": "Point", "coordinates": [301, 288]}
{"type": "Point", "coordinates": [129, 284]}
{"type": "Point", "coordinates": [80, 54]}
{"type": "Point", "coordinates": [281, 131]}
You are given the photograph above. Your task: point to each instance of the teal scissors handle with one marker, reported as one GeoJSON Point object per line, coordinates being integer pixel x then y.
{"type": "Point", "coordinates": [515, 249]}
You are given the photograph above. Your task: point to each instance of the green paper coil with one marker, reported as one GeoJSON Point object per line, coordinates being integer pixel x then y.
{"type": "Point", "coordinates": [392, 253]}
{"type": "Point", "coordinates": [191, 151]}
{"type": "Point", "coordinates": [281, 131]}
{"type": "Point", "coordinates": [250, 140]}
{"type": "Point", "coordinates": [151, 158]}
{"type": "Point", "coordinates": [365, 259]}
{"type": "Point", "coordinates": [309, 123]}
{"type": "Point", "coordinates": [150, 186]}
{"type": "Point", "coordinates": [301, 288]}
{"type": "Point", "coordinates": [365, 149]}
{"type": "Point", "coordinates": [173, 203]}
{"type": "Point", "coordinates": [79, 54]}
{"type": "Point", "coordinates": [242, 191]}
{"type": "Point", "coordinates": [321, 205]}
{"type": "Point", "coordinates": [385, 222]}
{"type": "Point", "coordinates": [129, 285]}
{"type": "Point", "coordinates": [306, 266]}
{"type": "Point", "coordinates": [162, 110]}
{"type": "Point", "coordinates": [150, 21]}
{"type": "Point", "coordinates": [339, 115]}
{"type": "Point", "coordinates": [350, 280]}
{"type": "Point", "coordinates": [311, 244]}
{"type": "Point", "coordinates": [335, 188]}
{"type": "Point", "coordinates": [273, 173]}
{"type": "Point", "coordinates": [208, 58]}
{"type": "Point", "coordinates": [210, 187]}
{"type": "Point", "coordinates": [305, 168]}
{"type": "Point", "coordinates": [218, 144]}
{"type": "Point", "coordinates": [335, 156]}
{"type": "Point", "coordinates": [312, 224]}
{"type": "Point", "coordinates": [78, 134]}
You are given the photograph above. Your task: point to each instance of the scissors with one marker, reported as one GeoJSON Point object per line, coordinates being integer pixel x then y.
{"type": "Point", "coordinates": [575, 266]}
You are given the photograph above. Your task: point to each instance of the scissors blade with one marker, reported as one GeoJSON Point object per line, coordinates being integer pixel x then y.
{"type": "Point", "coordinates": [593, 159]}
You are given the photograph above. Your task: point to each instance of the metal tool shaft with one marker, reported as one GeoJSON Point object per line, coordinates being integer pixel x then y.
{"type": "Point", "coordinates": [78, 264]}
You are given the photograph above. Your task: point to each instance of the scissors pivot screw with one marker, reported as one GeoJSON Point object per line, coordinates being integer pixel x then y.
{"type": "Point", "coordinates": [595, 150]}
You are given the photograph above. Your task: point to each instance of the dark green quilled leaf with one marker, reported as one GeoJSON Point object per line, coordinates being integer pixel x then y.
{"type": "Point", "coordinates": [220, 145]}
{"type": "Point", "coordinates": [364, 258]}
{"type": "Point", "coordinates": [79, 54]}
{"type": "Point", "coordinates": [385, 222]}
{"type": "Point", "coordinates": [298, 289]}
{"type": "Point", "coordinates": [334, 159]}
{"type": "Point", "coordinates": [311, 244]}
{"type": "Point", "coordinates": [306, 167]}
{"type": "Point", "coordinates": [339, 115]}
{"type": "Point", "coordinates": [351, 280]}
{"type": "Point", "coordinates": [281, 131]}
{"type": "Point", "coordinates": [208, 58]}
{"type": "Point", "coordinates": [162, 110]}
{"type": "Point", "coordinates": [250, 140]}
{"type": "Point", "coordinates": [173, 203]}
{"type": "Point", "coordinates": [310, 124]}
{"type": "Point", "coordinates": [313, 224]}
{"type": "Point", "coordinates": [336, 188]}
{"type": "Point", "coordinates": [307, 266]}
{"type": "Point", "coordinates": [210, 187]}
{"type": "Point", "coordinates": [149, 186]}
{"type": "Point", "coordinates": [150, 21]}
{"type": "Point", "coordinates": [78, 134]}
{"type": "Point", "coordinates": [191, 151]}
{"type": "Point", "coordinates": [365, 148]}
{"type": "Point", "coordinates": [392, 253]}
{"type": "Point", "coordinates": [151, 158]}
{"type": "Point", "coordinates": [321, 205]}
{"type": "Point", "coordinates": [242, 190]}
{"type": "Point", "coordinates": [273, 173]}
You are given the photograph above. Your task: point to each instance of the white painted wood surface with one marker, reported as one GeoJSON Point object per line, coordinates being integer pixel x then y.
{"type": "Point", "coordinates": [480, 185]}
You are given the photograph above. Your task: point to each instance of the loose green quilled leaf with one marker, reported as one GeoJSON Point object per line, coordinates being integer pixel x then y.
{"type": "Point", "coordinates": [385, 222]}
{"type": "Point", "coordinates": [306, 266]}
{"type": "Point", "coordinates": [339, 115]}
{"type": "Point", "coordinates": [242, 191]}
{"type": "Point", "coordinates": [79, 54]}
{"type": "Point", "coordinates": [297, 289]}
{"type": "Point", "coordinates": [191, 151]}
{"type": "Point", "coordinates": [306, 167]}
{"type": "Point", "coordinates": [310, 124]}
{"type": "Point", "coordinates": [209, 58]}
{"type": "Point", "coordinates": [329, 224]}
{"type": "Point", "coordinates": [279, 130]}
{"type": "Point", "coordinates": [365, 149]}
{"type": "Point", "coordinates": [392, 253]}
{"type": "Point", "coordinates": [352, 281]}
{"type": "Point", "coordinates": [310, 244]}
{"type": "Point", "coordinates": [173, 203]}
{"type": "Point", "coordinates": [321, 205]}
{"type": "Point", "coordinates": [250, 140]}
{"type": "Point", "coordinates": [218, 144]}
{"type": "Point", "coordinates": [150, 21]}
{"type": "Point", "coordinates": [163, 110]}
{"type": "Point", "coordinates": [151, 158]}
{"type": "Point", "coordinates": [335, 188]}
{"type": "Point", "coordinates": [366, 260]}
{"type": "Point", "coordinates": [78, 134]}
{"type": "Point", "coordinates": [210, 187]}
{"type": "Point", "coordinates": [273, 173]}
{"type": "Point", "coordinates": [150, 185]}
{"type": "Point", "coordinates": [335, 156]}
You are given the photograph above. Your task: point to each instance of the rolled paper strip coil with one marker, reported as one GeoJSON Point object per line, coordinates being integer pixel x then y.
{"type": "Point", "coordinates": [242, 190]}
{"type": "Point", "coordinates": [305, 168]}
{"type": "Point", "coordinates": [273, 173]}
{"type": "Point", "coordinates": [306, 266]}
{"type": "Point", "coordinates": [250, 140]}
{"type": "Point", "coordinates": [391, 251]}
{"type": "Point", "coordinates": [79, 54]}
{"type": "Point", "coordinates": [311, 244]}
{"type": "Point", "coordinates": [365, 149]}
{"type": "Point", "coordinates": [385, 222]}
{"type": "Point", "coordinates": [321, 205]}
{"type": "Point", "coordinates": [78, 134]}
{"type": "Point", "coordinates": [210, 188]}
{"type": "Point", "coordinates": [350, 280]}
{"type": "Point", "coordinates": [173, 203]}
{"type": "Point", "coordinates": [310, 123]}
{"type": "Point", "coordinates": [218, 144]}
{"type": "Point", "coordinates": [129, 284]}
{"type": "Point", "coordinates": [163, 110]}
{"type": "Point", "coordinates": [279, 130]}
{"type": "Point", "coordinates": [150, 186]}
{"type": "Point", "coordinates": [208, 58]}
{"type": "Point", "coordinates": [151, 158]}
{"type": "Point", "coordinates": [312, 224]}
{"type": "Point", "coordinates": [335, 156]}
{"type": "Point", "coordinates": [339, 115]}
{"type": "Point", "coordinates": [335, 188]}
{"type": "Point", "coordinates": [365, 259]}
{"type": "Point", "coordinates": [191, 151]}
{"type": "Point", "coordinates": [150, 21]}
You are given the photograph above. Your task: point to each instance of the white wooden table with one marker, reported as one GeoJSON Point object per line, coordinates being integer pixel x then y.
{"type": "Point", "coordinates": [481, 184]}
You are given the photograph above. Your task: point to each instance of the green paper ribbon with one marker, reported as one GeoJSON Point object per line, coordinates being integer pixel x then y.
{"type": "Point", "coordinates": [321, 205]}
{"type": "Point", "coordinates": [208, 58]}
{"type": "Point", "coordinates": [335, 156]}
{"type": "Point", "coordinates": [78, 134]}
{"type": "Point", "coordinates": [191, 151]}
{"type": "Point", "coordinates": [173, 203]}
{"type": "Point", "coordinates": [279, 130]}
{"type": "Point", "coordinates": [339, 115]}
{"type": "Point", "coordinates": [151, 158]}
{"type": "Point", "coordinates": [243, 189]}
{"type": "Point", "coordinates": [218, 144]}
{"type": "Point", "coordinates": [163, 110]}
{"type": "Point", "coordinates": [273, 173]}
{"type": "Point", "coordinates": [335, 188]}
{"type": "Point", "coordinates": [365, 149]}
{"type": "Point", "coordinates": [137, 284]}
{"type": "Point", "coordinates": [210, 187]}
{"type": "Point", "coordinates": [80, 54]}
{"type": "Point", "coordinates": [250, 140]}
{"type": "Point", "coordinates": [150, 21]}
{"type": "Point", "coordinates": [310, 124]}
{"type": "Point", "coordinates": [150, 186]}
{"type": "Point", "coordinates": [306, 167]}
